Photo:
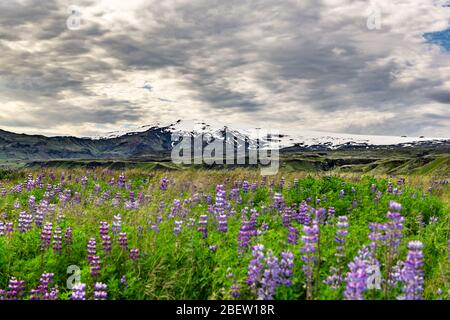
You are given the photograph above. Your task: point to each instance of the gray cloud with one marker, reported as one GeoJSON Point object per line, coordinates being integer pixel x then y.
{"type": "Point", "coordinates": [284, 62]}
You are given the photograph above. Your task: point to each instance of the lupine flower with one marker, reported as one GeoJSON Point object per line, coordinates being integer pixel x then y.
{"type": "Point", "coordinates": [57, 240]}
{"type": "Point", "coordinates": [287, 217]}
{"type": "Point", "coordinates": [255, 266]}
{"type": "Point", "coordinates": [245, 234]}
{"type": "Point", "coordinates": [178, 226]}
{"type": "Point", "coordinates": [293, 235]}
{"type": "Point", "coordinates": [78, 292]}
{"type": "Point", "coordinates": [309, 250]}
{"type": "Point", "coordinates": [213, 248]}
{"type": "Point", "coordinates": [356, 279]}
{"type": "Point", "coordinates": [341, 233]}
{"type": "Point", "coordinates": [106, 239]}
{"type": "Point", "coordinates": [46, 236]}
{"type": "Point", "coordinates": [203, 225]}
{"type": "Point", "coordinates": [164, 183]}
{"type": "Point", "coordinates": [15, 289]}
{"type": "Point", "coordinates": [412, 273]}
{"type": "Point", "coordinates": [330, 213]}
{"type": "Point", "coordinates": [278, 201]}
{"type": "Point", "coordinates": [116, 225]}
{"type": "Point", "coordinates": [123, 241]}
{"type": "Point", "coordinates": [286, 267]}
{"type": "Point", "coordinates": [43, 292]}
{"type": "Point", "coordinates": [245, 186]}
{"type": "Point", "coordinates": [91, 249]}
{"type": "Point", "coordinates": [303, 215]}
{"type": "Point", "coordinates": [95, 266]}
{"type": "Point", "coordinates": [235, 291]}
{"type": "Point", "coordinates": [270, 277]}
{"type": "Point", "coordinates": [25, 221]}
{"type": "Point", "coordinates": [134, 254]}
{"type": "Point", "coordinates": [123, 281]}
{"type": "Point", "coordinates": [100, 291]}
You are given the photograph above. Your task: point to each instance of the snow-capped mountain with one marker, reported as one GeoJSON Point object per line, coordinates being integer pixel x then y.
{"type": "Point", "coordinates": [280, 138]}
{"type": "Point", "coordinates": [157, 141]}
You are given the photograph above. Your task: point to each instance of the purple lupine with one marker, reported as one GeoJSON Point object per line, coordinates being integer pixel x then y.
{"type": "Point", "coordinates": [330, 214]}
{"type": "Point", "coordinates": [222, 223]}
{"type": "Point", "coordinates": [412, 272]}
{"type": "Point", "coordinates": [163, 184]}
{"type": "Point", "coordinates": [123, 241]}
{"type": "Point", "coordinates": [335, 278]}
{"type": "Point", "coordinates": [106, 239]}
{"type": "Point", "coordinates": [178, 226]}
{"type": "Point", "coordinates": [245, 186]}
{"type": "Point", "coordinates": [95, 266]}
{"type": "Point", "coordinates": [100, 291]}
{"type": "Point", "coordinates": [255, 266]}
{"type": "Point", "coordinates": [245, 234]}
{"type": "Point", "coordinates": [341, 234]}
{"type": "Point", "coordinates": [117, 224]}
{"type": "Point", "coordinates": [293, 235]}
{"type": "Point", "coordinates": [203, 225]}
{"type": "Point", "coordinates": [278, 201]}
{"type": "Point", "coordinates": [373, 188]}
{"type": "Point", "coordinates": [121, 180]}
{"type": "Point", "coordinates": [46, 236]}
{"type": "Point", "coordinates": [25, 221]}
{"type": "Point", "coordinates": [213, 248]}
{"type": "Point", "coordinates": [356, 279]}
{"type": "Point", "coordinates": [134, 254]}
{"type": "Point", "coordinates": [78, 292]}
{"type": "Point", "coordinates": [287, 217]}
{"type": "Point", "coordinates": [15, 289]}
{"type": "Point", "coordinates": [91, 249]}
{"type": "Point", "coordinates": [43, 292]}
{"type": "Point", "coordinates": [235, 290]}
{"type": "Point", "coordinates": [304, 216]}
{"type": "Point", "coordinates": [9, 228]}
{"type": "Point", "coordinates": [68, 238]}
{"type": "Point", "coordinates": [270, 278]}
{"type": "Point", "coordinates": [390, 187]}
{"type": "Point", "coordinates": [57, 240]}
{"type": "Point", "coordinates": [286, 266]}
{"type": "Point", "coordinates": [342, 194]}
{"type": "Point", "coordinates": [309, 250]}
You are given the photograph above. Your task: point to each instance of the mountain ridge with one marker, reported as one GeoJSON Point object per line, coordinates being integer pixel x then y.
{"type": "Point", "coordinates": [156, 141]}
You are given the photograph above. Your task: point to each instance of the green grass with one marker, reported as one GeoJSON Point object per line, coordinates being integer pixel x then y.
{"type": "Point", "coordinates": [182, 266]}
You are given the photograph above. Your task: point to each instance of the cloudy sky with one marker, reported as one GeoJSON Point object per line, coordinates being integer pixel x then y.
{"type": "Point", "coordinates": [353, 66]}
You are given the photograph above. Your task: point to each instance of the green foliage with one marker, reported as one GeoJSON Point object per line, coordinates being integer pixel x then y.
{"type": "Point", "coordinates": [183, 266]}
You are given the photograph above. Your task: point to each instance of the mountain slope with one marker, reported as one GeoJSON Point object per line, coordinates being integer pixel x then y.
{"type": "Point", "coordinates": [155, 142]}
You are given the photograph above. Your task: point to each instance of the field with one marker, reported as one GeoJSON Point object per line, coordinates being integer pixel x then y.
{"type": "Point", "coordinates": [222, 234]}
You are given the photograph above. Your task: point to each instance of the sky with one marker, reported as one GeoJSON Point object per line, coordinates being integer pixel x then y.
{"type": "Point", "coordinates": [86, 68]}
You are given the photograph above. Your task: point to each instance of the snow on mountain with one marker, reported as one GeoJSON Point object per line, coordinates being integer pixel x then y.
{"type": "Point", "coordinates": [283, 138]}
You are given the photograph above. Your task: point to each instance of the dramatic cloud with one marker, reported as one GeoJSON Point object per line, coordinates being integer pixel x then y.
{"type": "Point", "coordinates": [357, 66]}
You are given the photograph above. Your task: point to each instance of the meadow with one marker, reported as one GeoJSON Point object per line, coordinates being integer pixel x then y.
{"type": "Point", "coordinates": [222, 234]}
